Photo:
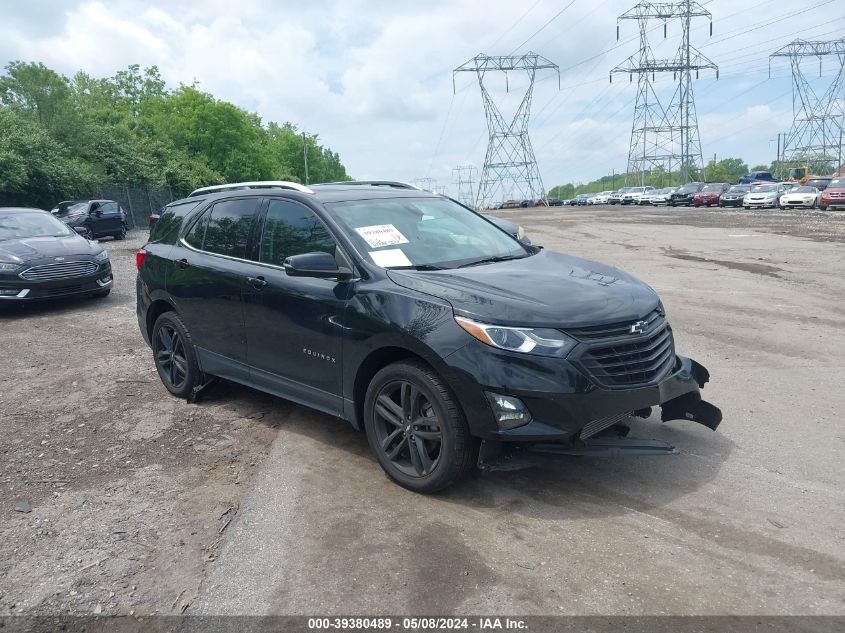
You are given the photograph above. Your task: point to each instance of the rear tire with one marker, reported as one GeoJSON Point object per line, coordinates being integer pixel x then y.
{"type": "Point", "coordinates": [174, 355]}
{"type": "Point", "coordinates": [122, 234]}
{"type": "Point", "coordinates": [416, 428]}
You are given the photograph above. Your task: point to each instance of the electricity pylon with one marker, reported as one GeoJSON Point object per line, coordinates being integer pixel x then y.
{"type": "Point", "coordinates": [510, 168]}
{"type": "Point", "coordinates": [464, 182]}
{"type": "Point", "coordinates": [664, 137]}
{"type": "Point", "coordinates": [815, 138]}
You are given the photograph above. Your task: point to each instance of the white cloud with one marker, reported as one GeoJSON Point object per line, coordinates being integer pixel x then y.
{"type": "Point", "coordinates": [374, 78]}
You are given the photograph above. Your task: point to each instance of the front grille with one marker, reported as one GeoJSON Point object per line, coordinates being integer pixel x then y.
{"type": "Point", "coordinates": [616, 358]}
{"type": "Point", "coordinates": [596, 426]}
{"type": "Point", "coordinates": [59, 270]}
{"type": "Point", "coordinates": [64, 290]}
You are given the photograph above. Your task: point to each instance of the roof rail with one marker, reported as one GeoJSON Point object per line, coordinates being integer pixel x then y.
{"type": "Point", "coordinates": [258, 184]}
{"type": "Point", "coordinates": [396, 184]}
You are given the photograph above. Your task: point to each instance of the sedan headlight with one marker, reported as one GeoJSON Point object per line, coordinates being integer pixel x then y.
{"type": "Point", "coordinates": [102, 256]}
{"type": "Point", "coordinates": [539, 341]}
{"type": "Point", "coordinates": [7, 267]}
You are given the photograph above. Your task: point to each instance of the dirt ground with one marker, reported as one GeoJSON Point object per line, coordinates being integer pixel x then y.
{"type": "Point", "coordinates": [243, 503]}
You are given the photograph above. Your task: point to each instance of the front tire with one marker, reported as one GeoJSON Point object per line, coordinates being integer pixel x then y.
{"type": "Point", "coordinates": [416, 428]}
{"type": "Point", "coordinates": [121, 235]}
{"type": "Point", "coordinates": [174, 355]}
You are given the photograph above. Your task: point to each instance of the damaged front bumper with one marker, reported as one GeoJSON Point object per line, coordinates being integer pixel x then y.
{"type": "Point", "coordinates": [571, 414]}
{"type": "Point", "coordinates": [608, 437]}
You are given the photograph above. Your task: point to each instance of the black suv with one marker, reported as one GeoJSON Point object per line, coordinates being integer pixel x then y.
{"type": "Point", "coordinates": [95, 218]}
{"type": "Point", "coordinates": [409, 315]}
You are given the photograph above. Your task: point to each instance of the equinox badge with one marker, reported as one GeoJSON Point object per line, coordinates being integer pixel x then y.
{"type": "Point", "coordinates": [639, 327]}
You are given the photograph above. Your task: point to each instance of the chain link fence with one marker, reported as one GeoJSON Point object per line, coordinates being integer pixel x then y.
{"type": "Point", "coordinates": [138, 202]}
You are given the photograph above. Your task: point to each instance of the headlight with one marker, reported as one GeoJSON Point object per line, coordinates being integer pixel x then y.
{"type": "Point", "coordinates": [6, 267]}
{"type": "Point", "coordinates": [540, 341]}
{"type": "Point", "coordinates": [102, 256]}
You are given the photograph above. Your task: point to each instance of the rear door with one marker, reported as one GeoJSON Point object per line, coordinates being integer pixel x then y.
{"type": "Point", "coordinates": [208, 271]}
{"type": "Point", "coordinates": [293, 324]}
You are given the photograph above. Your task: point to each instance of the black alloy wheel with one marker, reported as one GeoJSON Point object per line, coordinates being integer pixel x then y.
{"type": "Point", "coordinates": [89, 233]}
{"type": "Point", "coordinates": [416, 428]}
{"type": "Point", "coordinates": [174, 356]}
{"type": "Point", "coordinates": [407, 428]}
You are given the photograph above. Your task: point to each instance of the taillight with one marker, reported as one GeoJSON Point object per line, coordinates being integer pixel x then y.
{"type": "Point", "coordinates": [139, 258]}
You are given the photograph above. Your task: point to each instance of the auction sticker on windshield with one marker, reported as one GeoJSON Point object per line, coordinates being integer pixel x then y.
{"type": "Point", "coordinates": [380, 235]}
{"type": "Point", "coordinates": [390, 257]}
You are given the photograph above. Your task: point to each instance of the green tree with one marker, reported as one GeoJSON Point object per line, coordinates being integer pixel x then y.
{"type": "Point", "coordinates": [63, 138]}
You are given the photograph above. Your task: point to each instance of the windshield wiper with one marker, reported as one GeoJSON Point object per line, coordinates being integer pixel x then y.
{"type": "Point", "coordinates": [419, 267]}
{"type": "Point", "coordinates": [491, 260]}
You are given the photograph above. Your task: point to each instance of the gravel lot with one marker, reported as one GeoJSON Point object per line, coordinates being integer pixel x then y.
{"type": "Point", "coordinates": [244, 503]}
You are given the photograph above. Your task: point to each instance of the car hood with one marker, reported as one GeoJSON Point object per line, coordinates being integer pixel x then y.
{"type": "Point", "coordinates": [548, 289]}
{"type": "Point", "coordinates": [32, 248]}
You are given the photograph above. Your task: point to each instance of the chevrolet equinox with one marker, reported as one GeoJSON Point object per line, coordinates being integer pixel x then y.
{"type": "Point", "coordinates": [448, 341]}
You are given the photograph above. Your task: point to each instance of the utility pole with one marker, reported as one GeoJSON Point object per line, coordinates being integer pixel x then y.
{"type": "Point", "coordinates": [464, 180]}
{"type": "Point", "coordinates": [666, 137]}
{"type": "Point", "coordinates": [305, 155]}
{"type": "Point", "coordinates": [509, 164]}
{"type": "Point", "coordinates": [815, 137]}
{"type": "Point", "coordinates": [427, 184]}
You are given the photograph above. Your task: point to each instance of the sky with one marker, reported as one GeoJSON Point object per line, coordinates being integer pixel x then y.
{"type": "Point", "coordinates": [374, 77]}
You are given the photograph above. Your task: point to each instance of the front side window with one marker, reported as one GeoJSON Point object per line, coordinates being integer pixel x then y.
{"type": "Point", "coordinates": [292, 229]}
{"type": "Point", "coordinates": [422, 232]}
{"type": "Point", "coordinates": [109, 207]}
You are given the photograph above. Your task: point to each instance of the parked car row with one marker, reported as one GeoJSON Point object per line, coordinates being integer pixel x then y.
{"type": "Point", "coordinates": [821, 192]}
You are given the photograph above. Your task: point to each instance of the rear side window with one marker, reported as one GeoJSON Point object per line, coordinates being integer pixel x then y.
{"type": "Point", "coordinates": [109, 207]}
{"type": "Point", "coordinates": [292, 229]}
{"type": "Point", "coordinates": [225, 228]}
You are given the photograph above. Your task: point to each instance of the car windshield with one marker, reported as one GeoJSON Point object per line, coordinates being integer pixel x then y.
{"type": "Point", "coordinates": [422, 233]}
{"type": "Point", "coordinates": [711, 188]}
{"type": "Point", "coordinates": [688, 188]}
{"type": "Point", "coordinates": [837, 182]}
{"type": "Point", "coordinates": [763, 188]}
{"type": "Point", "coordinates": [70, 208]}
{"type": "Point", "coordinates": [15, 225]}
{"type": "Point", "coordinates": [739, 189]}
{"type": "Point", "coordinates": [804, 190]}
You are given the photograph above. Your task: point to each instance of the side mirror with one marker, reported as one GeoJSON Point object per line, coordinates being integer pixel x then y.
{"type": "Point", "coordinates": [82, 230]}
{"type": "Point", "coordinates": [320, 265]}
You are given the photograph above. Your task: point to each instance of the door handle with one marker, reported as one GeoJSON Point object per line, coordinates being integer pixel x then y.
{"type": "Point", "coordinates": [182, 263]}
{"type": "Point", "coordinates": [256, 282]}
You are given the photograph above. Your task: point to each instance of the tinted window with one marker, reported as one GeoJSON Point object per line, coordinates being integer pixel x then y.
{"type": "Point", "coordinates": [229, 225]}
{"type": "Point", "coordinates": [196, 235]}
{"type": "Point", "coordinates": [291, 229]}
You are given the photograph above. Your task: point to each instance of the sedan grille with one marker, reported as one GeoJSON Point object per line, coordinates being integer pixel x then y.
{"type": "Point", "coordinates": [616, 358]}
{"type": "Point", "coordinates": [59, 270]}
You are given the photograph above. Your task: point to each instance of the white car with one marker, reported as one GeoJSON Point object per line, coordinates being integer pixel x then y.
{"type": "Point", "coordinates": [658, 196]}
{"type": "Point", "coordinates": [762, 196]}
{"type": "Point", "coordinates": [799, 197]}
{"type": "Point", "coordinates": [633, 195]}
{"type": "Point", "coordinates": [601, 198]}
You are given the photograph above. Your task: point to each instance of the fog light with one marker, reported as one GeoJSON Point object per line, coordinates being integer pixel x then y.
{"type": "Point", "coordinates": [510, 412]}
